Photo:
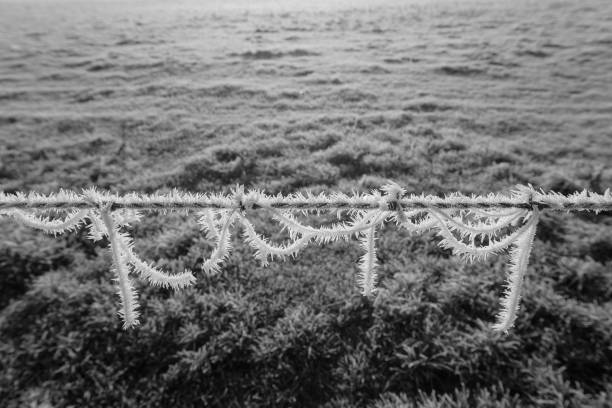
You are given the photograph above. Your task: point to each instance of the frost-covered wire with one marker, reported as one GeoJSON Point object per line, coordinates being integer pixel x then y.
{"type": "Point", "coordinates": [473, 227]}
{"type": "Point", "coordinates": [524, 197]}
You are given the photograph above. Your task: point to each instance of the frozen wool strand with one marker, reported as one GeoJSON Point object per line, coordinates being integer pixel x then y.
{"type": "Point", "coordinates": [153, 275]}
{"type": "Point", "coordinates": [264, 249]}
{"type": "Point", "coordinates": [213, 264]}
{"type": "Point", "coordinates": [129, 313]}
{"type": "Point", "coordinates": [71, 222]}
{"type": "Point", "coordinates": [519, 260]}
{"type": "Point", "coordinates": [367, 273]}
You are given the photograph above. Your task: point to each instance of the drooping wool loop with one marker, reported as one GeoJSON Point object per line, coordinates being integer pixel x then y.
{"type": "Point", "coordinates": [473, 227]}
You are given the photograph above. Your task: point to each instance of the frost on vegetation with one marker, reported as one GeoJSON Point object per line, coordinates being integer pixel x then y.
{"type": "Point", "coordinates": [473, 227]}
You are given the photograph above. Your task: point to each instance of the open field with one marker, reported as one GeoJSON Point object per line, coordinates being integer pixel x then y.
{"type": "Point", "coordinates": [439, 96]}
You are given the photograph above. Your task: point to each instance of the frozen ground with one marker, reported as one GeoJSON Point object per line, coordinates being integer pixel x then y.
{"type": "Point", "coordinates": [524, 86]}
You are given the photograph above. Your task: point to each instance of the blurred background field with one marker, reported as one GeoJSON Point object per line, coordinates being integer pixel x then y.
{"type": "Point", "coordinates": [440, 96]}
